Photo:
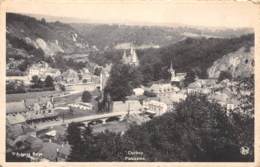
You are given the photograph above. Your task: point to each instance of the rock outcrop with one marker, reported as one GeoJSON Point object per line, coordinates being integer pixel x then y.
{"type": "Point", "coordinates": [239, 63]}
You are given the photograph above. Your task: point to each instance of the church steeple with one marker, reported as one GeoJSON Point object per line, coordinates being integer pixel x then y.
{"type": "Point", "coordinates": [131, 58]}
{"type": "Point", "coordinates": [172, 71]}
{"type": "Point", "coordinates": [171, 68]}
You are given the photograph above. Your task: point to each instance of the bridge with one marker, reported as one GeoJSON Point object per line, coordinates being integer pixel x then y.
{"type": "Point", "coordinates": [101, 117]}
{"type": "Point", "coordinates": [87, 120]}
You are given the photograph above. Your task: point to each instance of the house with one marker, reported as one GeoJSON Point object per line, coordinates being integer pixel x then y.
{"type": "Point", "coordinates": [42, 70]}
{"type": "Point", "coordinates": [70, 76]}
{"type": "Point", "coordinates": [176, 78]}
{"type": "Point", "coordinates": [54, 73]}
{"type": "Point", "coordinates": [225, 99]}
{"type": "Point", "coordinates": [30, 111]}
{"type": "Point", "coordinates": [174, 98]}
{"type": "Point", "coordinates": [163, 89]}
{"type": "Point", "coordinates": [127, 106]}
{"type": "Point", "coordinates": [204, 86]}
{"type": "Point", "coordinates": [14, 112]}
{"type": "Point", "coordinates": [40, 109]}
{"type": "Point", "coordinates": [85, 75]}
{"type": "Point", "coordinates": [154, 107]}
{"type": "Point", "coordinates": [138, 91]}
{"type": "Point", "coordinates": [81, 106]}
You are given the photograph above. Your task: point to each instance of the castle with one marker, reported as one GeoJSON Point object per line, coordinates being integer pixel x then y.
{"type": "Point", "coordinates": [130, 59]}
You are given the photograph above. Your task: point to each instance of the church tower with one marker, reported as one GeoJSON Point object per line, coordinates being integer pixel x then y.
{"type": "Point", "coordinates": [125, 58]}
{"type": "Point", "coordinates": [134, 59]}
{"type": "Point", "coordinates": [172, 71]}
{"type": "Point", "coordinates": [130, 58]}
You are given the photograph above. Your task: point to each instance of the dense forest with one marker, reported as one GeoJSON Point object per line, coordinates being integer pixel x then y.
{"type": "Point", "coordinates": [110, 35]}
{"type": "Point", "coordinates": [189, 55]}
{"type": "Point", "coordinates": [195, 55]}
{"type": "Point", "coordinates": [197, 130]}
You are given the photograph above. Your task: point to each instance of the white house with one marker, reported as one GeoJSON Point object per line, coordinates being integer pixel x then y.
{"type": "Point", "coordinates": [81, 106]}
{"type": "Point", "coordinates": [163, 88]}
{"type": "Point", "coordinates": [127, 106]}
{"type": "Point", "coordinates": [155, 107]}
{"type": "Point", "coordinates": [138, 91]}
{"type": "Point", "coordinates": [42, 70]}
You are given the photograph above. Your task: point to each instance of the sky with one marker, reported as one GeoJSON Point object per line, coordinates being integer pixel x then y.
{"type": "Point", "coordinates": [146, 12]}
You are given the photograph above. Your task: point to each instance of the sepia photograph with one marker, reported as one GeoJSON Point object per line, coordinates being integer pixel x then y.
{"type": "Point", "coordinates": [129, 81]}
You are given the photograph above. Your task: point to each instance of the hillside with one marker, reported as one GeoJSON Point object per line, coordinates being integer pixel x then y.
{"type": "Point", "coordinates": [29, 40]}
{"type": "Point", "coordinates": [192, 54]}
{"type": "Point", "coordinates": [189, 55]}
{"type": "Point", "coordinates": [189, 48]}
{"type": "Point", "coordinates": [117, 36]}
{"type": "Point", "coordinates": [51, 37]}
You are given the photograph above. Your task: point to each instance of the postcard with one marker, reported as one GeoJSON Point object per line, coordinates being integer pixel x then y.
{"type": "Point", "coordinates": [123, 82]}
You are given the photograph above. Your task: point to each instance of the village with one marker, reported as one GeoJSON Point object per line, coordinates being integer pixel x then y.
{"type": "Point", "coordinates": [37, 125]}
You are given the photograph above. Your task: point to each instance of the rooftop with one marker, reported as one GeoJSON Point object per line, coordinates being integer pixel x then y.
{"type": "Point", "coordinates": [16, 119]}
{"type": "Point", "coordinates": [40, 100]}
{"type": "Point", "coordinates": [132, 105]}
{"type": "Point", "coordinates": [14, 107]}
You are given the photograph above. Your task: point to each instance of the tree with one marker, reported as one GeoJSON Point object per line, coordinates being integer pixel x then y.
{"type": "Point", "coordinates": [35, 81]}
{"type": "Point", "coordinates": [189, 78]}
{"type": "Point", "coordinates": [43, 21]}
{"type": "Point", "coordinates": [224, 75]}
{"type": "Point", "coordinates": [49, 82]}
{"type": "Point", "coordinates": [243, 116]}
{"type": "Point", "coordinates": [122, 80]}
{"type": "Point", "coordinates": [86, 96]}
{"type": "Point", "coordinates": [197, 130]}
{"type": "Point", "coordinates": [79, 137]}
{"type": "Point", "coordinates": [62, 87]}
{"type": "Point", "coordinates": [97, 71]}
{"type": "Point", "coordinates": [246, 94]}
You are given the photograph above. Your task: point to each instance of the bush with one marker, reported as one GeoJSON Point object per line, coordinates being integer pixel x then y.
{"type": "Point", "coordinates": [86, 96]}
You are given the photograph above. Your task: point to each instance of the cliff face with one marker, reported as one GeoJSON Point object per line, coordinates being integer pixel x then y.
{"type": "Point", "coordinates": [51, 38]}
{"type": "Point", "coordinates": [238, 63]}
